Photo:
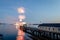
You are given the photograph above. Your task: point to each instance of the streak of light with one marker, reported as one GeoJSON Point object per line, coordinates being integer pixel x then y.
{"type": "Point", "coordinates": [21, 17]}
{"type": "Point", "coordinates": [20, 20]}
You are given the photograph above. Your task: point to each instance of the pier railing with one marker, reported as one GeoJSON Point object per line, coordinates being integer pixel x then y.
{"type": "Point", "coordinates": [41, 34]}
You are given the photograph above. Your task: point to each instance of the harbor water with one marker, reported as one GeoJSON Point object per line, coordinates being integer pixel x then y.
{"type": "Point", "coordinates": [10, 32]}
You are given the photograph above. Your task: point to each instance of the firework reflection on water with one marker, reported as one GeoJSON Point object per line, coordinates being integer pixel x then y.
{"type": "Point", "coordinates": [21, 35]}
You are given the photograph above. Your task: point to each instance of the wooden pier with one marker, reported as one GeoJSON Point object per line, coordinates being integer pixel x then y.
{"type": "Point", "coordinates": [41, 34]}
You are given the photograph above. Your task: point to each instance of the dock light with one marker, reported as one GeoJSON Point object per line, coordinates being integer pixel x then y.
{"type": "Point", "coordinates": [24, 22]}
{"type": "Point", "coordinates": [17, 25]}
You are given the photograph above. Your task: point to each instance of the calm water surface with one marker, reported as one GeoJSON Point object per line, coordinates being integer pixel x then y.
{"type": "Point", "coordinates": [9, 32]}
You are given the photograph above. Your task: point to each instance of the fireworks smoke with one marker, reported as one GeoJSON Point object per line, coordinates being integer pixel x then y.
{"type": "Point", "coordinates": [21, 10]}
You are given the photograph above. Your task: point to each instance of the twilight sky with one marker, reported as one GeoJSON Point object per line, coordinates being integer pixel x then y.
{"type": "Point", "coordinates": [35, 10]}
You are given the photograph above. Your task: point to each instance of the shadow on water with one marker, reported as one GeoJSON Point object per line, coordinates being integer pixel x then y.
{"type": "Point", "coordinates": [1, 37]}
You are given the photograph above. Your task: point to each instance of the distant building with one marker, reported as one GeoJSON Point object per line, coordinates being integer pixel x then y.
{"type": "Point", "coordinates": [54, 27]}
{"type": "Point", "coordinates": [50, 24]}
